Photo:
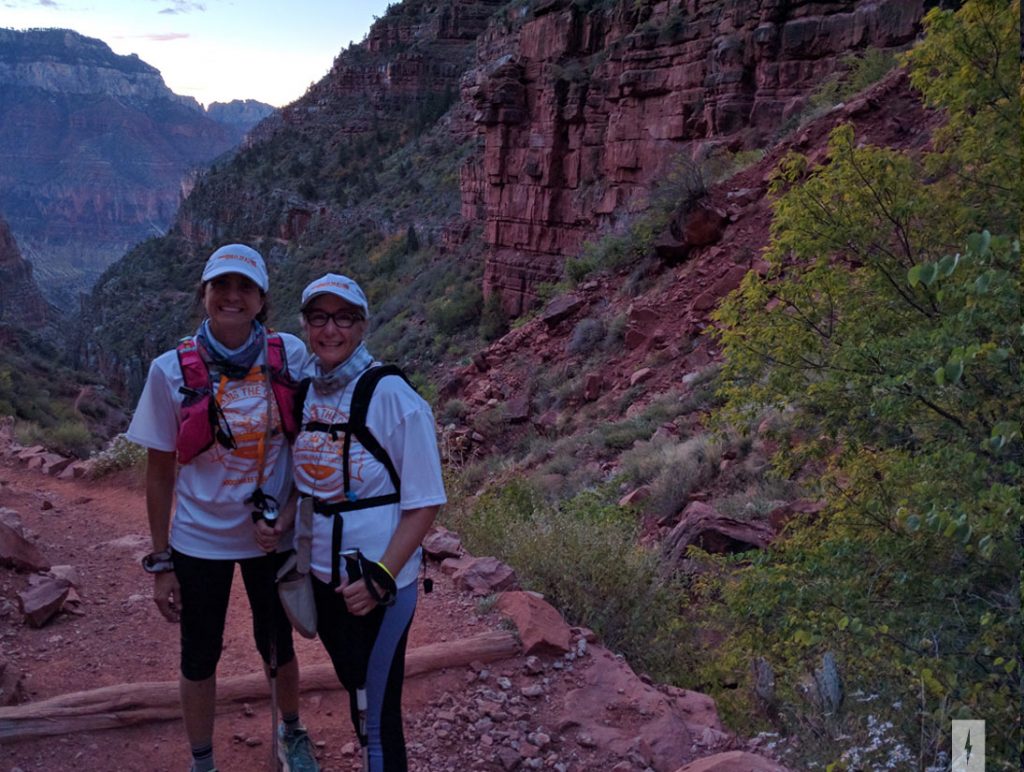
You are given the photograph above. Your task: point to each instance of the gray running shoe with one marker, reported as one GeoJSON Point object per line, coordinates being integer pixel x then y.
{"type": "Point", "coordinates": [295, 751]}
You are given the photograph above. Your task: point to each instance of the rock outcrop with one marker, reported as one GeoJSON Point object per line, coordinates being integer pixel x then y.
{"type": "Point", "coordinates": [21, 302]}
{"type": "Point", "coordinates": [241, 114]}
{"type": "Point", "coordinates": [585, 114]}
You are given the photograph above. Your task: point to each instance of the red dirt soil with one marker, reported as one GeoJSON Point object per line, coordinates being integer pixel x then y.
{"type": "Point", "coordinates": [120, 638]}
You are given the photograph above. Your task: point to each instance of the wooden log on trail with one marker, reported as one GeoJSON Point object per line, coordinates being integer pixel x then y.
{"type": "Point", "coordinates": [111, 707]}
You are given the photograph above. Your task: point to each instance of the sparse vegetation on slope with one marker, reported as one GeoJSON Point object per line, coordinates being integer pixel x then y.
{"type": "Point", "coordinates": [68, 411]}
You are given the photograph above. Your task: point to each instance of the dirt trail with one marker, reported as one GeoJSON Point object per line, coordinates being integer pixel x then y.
{"type": "Point", "coordinates": [100, 528]}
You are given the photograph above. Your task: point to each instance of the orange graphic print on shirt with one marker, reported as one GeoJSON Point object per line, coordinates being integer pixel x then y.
{"type": "Point", "coordinates": [244, 404]}
{"type": "Point", "coordinates": [318, 456]}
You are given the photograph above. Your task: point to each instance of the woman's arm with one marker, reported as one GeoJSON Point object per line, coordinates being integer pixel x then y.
{"type": "Point", "coordinates": [412, 527]}
{"type": "Point", "coordinates": [161, 470]}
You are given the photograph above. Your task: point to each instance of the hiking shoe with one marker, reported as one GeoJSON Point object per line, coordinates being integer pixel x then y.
{"type": "Point", "coordinates": [295, 751]}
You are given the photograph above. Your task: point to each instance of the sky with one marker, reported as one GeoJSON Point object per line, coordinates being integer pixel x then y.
{"type": "Point", "coordinates": [215, 50]}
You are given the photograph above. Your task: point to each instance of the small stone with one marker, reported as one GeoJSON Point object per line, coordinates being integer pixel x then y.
{"type": "Point", "coordinates": [585, 740]}
{"type": "Point", "coordinates": [540, 739]}
{"type": "Point", "coordinates": [532, 691]}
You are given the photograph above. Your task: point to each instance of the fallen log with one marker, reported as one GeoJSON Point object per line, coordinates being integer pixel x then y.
{"type": "Point", "coordinates": [112, 707]}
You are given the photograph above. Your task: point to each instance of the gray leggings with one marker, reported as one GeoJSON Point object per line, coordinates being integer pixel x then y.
{"type": "Point", "coordinates": [369, 652]}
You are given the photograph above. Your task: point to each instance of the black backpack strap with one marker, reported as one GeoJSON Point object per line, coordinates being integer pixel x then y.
{"type": "Point", "coordinates": [300, 400]}
{"type": "Point", "coordinates": [357, 420]}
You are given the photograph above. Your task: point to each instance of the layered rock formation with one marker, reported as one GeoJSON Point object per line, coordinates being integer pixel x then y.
{"type": "Point", "coordinates": [240, 114]}
{"type": "Point", "coordinates": [583, 113]}
{"type": "Point", "coordinates": [21, 302]}
{"type": "Point", "coordinates": [95, 148]}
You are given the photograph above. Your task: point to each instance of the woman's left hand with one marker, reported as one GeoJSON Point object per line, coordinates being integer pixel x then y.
{"type": "Point", "coordinates": [357, 597]}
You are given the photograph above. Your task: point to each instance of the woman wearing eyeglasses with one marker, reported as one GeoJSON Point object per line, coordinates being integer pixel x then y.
{"type": "Point", "coordinates": [369, 475]}
{"type": "Point", "coordinates": [216, 414]}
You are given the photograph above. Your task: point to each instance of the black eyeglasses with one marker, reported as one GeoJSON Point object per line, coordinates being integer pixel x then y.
{"type": "Point", "coordinates": [342, 319]}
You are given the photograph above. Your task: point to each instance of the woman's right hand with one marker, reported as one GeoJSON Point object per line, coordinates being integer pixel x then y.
{"type": "Point", "coordinates": [167, 595]}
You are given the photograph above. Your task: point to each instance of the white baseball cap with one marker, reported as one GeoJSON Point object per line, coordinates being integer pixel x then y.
{"type": "Point", "coordinates": [238, 258]}
{"type": "Point", "coordinates": [340, 286]}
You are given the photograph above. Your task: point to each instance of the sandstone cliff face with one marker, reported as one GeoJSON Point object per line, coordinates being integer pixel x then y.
{"type": "Point", "coordinates": [410, 54]}
{"type": "Point", "coordinates": [21, 303]}
{"type": "Point", "coordinates": [95, 150]}
{"type": "Point", "coordinates": [581, 113]}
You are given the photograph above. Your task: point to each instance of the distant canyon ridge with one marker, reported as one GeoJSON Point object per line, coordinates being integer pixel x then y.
{"type": "Point", "coordinates": [96, 152]}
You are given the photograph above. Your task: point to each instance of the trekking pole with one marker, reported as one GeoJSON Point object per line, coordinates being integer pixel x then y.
{"type": "Point", "coordinates": [364, 739]}
{"type": "Point", "coordinates": [275, 759]}
{"type": "Point", "coordinates": [355, 573]}
{"type": "Point", "coordinates": [266, 509]}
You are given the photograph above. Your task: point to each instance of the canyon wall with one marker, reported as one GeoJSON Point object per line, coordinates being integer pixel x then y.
{"type": "Point", "coordinates": [584, 108]}
{"type": "Point", "coordinates": [95, 150]}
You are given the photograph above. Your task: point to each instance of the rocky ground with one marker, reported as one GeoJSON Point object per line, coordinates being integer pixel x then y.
{"type": "Point", "coordinates": [565, 704]}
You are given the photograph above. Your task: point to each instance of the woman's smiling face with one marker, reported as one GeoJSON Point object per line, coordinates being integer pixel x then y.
{"type": "Point", "coordinates": [231, 301]}
{"type": "Point", "coordinates": [333, 344]}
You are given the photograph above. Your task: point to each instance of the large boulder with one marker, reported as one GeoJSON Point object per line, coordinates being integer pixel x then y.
{"type": "Point", "coordinates": [43, 600]}
{"type": "Point", "coordinates": [481, 576]}
{"type": "Point", "coordinates": [18, 552]}
{"type": "Point", "coordinates": [541, 628]}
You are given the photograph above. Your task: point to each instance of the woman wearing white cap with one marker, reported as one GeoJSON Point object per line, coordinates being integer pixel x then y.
{"type": "Point", "coordinates": [216, 414]}
{"type": "Point", "coordinates": [369, 474]}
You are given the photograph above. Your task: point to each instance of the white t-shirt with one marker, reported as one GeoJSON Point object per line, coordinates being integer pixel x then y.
{"type": "Point", "coordinates": [211, 518]}
{"type": "Point", "coordinates": [403, 424]}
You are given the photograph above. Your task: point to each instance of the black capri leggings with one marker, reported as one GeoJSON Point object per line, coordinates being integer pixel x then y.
{"type": "Point", "coordinates": [205, 591]}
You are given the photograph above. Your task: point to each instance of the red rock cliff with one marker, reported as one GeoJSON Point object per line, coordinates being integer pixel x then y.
{"type": "Point", "coordinates": [20, 300]}
{"type": "Point", "coordinates": [581, 112]}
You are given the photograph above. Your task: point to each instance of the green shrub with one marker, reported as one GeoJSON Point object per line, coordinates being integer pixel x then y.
{"type": "Point", "coordinates": [493, 320]}
{"type": "Point", "coordinates": [613, 585]}
{"type": "Point", "coordinates": [453, 411]}
{"type": "Point", "coordinates": [672, 469]}
{"type": "Point", "coordinates": [119, 454]}
{"type": "Point", "coordinates": [69, 438]}
{"type": "Point", "coordinates": [616, 333]}
{"type": "Point", "coordinates": [456, 311]}
{"type": "Point", "coordinates": [28, 433]}
{"type": "Point", "coordinates": [756, 500]}
{"type": "Point", "coordinates": [620, 435]}
{"type": "Point", "coordinates": [586, 337]}
{"type": "Point", "coordinates": [491, 421]}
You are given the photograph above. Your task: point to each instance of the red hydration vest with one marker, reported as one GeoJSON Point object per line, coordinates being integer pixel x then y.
{"type": "Point", "coordinates": [200, 414]}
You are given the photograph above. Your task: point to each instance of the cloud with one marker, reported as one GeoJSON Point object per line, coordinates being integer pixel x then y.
{"type": "Point", "coordinates": [31, 3]}
{"type": "Point", "coordinates": [163, 37]}
{"type": "Point", "coordinates": [183, 6]}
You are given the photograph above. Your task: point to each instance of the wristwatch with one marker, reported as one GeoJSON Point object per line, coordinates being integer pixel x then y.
{"type": "Point", "coordinates": [158, 562]}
